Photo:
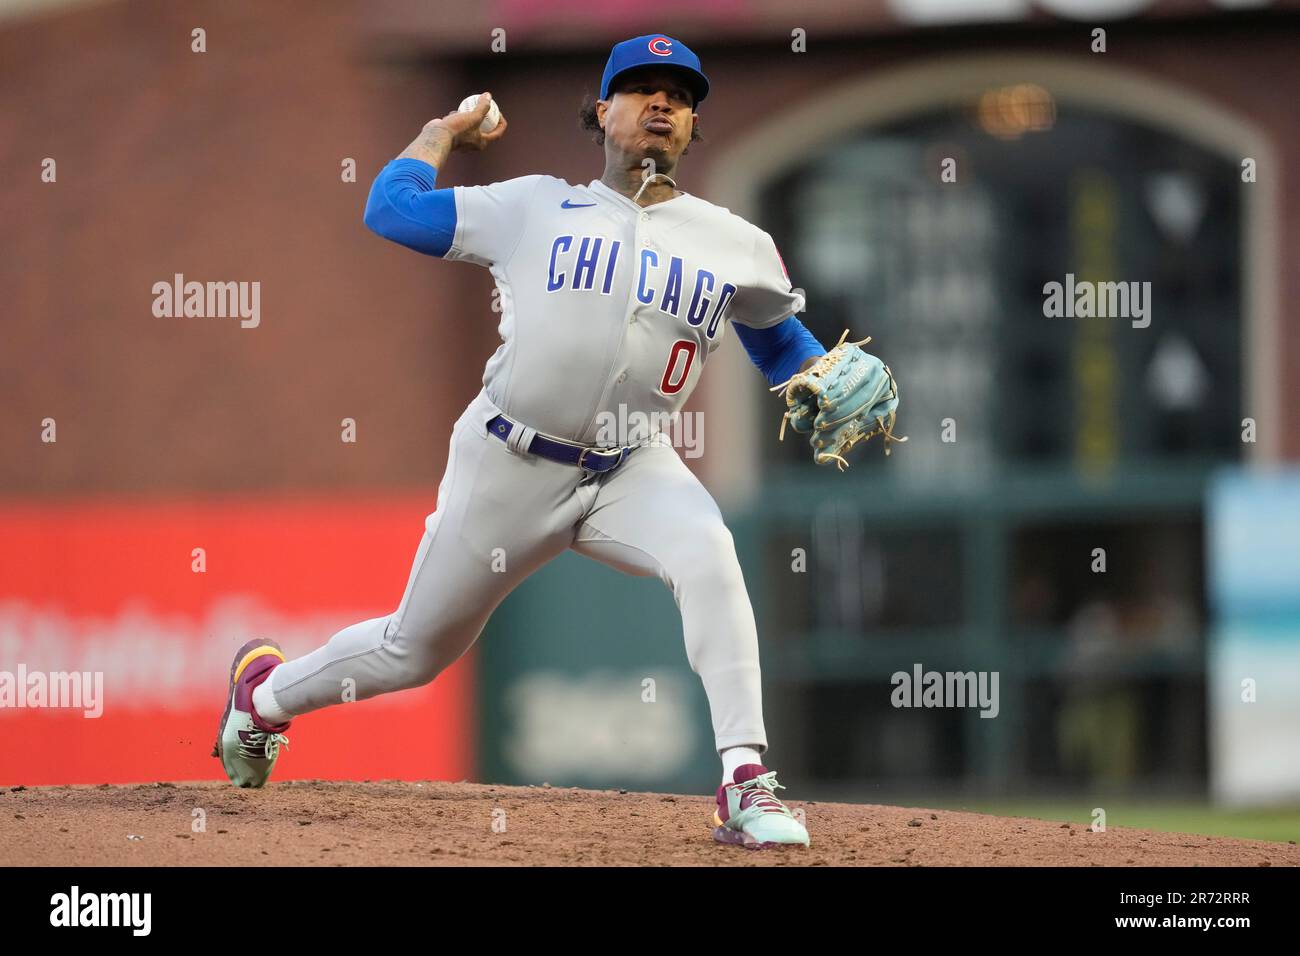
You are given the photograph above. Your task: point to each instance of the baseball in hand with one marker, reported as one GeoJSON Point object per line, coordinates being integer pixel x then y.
{"type": "Point", "coordinates": [493, 114]}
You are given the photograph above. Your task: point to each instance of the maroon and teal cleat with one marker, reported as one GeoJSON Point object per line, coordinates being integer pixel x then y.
{"type": "Point", "coordinates": [750, 815]}
{"type": "Point", "coordinates": [247, 745]}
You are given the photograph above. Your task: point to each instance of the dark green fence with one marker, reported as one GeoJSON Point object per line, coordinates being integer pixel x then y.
{"type": "Point", "coordinates": [1100, 673]}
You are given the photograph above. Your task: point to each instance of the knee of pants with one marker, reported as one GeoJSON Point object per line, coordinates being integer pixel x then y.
{"type": "Point", "coordinates": [707, 563]}
{"type": "Point", "coordinates": [419, 656]}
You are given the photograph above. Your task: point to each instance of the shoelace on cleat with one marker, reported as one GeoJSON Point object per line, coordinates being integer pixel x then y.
{"type": "Point", "coordinates": [761, 791]}
{"type": "Point", "coordinates": [261, 745]}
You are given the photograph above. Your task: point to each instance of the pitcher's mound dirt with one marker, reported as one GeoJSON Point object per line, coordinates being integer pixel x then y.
{"type": "Point", "coordinates": [433, 823]}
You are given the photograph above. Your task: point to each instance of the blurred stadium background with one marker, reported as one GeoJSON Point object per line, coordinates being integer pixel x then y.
{"type": "Point", "coordinates": [1170, 158]}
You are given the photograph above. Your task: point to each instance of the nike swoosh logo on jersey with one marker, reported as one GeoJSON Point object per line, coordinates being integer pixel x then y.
{"type": "Point", "coordinates": [568, 204]}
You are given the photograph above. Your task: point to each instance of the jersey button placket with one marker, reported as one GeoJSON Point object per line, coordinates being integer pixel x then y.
{"type": "Point", "coordinates": [646, 243]}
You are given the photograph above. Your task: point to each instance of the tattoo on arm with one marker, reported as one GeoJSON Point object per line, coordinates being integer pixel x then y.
{"type": "Point", "coordinates": [432, 145]}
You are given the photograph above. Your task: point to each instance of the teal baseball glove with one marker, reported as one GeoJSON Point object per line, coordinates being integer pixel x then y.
{"type": "Point", "coordinates": [846, 397]}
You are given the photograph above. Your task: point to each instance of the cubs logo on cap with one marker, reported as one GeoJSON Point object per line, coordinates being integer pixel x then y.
{"type": "Point", "coordinates": [655, 49]}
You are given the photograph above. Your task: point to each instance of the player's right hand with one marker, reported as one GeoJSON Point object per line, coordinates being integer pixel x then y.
{"type": "Point", "coordinates": [464, 127]}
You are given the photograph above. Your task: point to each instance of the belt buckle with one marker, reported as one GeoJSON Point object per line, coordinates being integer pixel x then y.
{"type": "Point", "coordinates": [582, 458]}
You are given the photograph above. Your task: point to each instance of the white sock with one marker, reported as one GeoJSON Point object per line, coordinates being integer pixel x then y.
{"type": "Point", "coordinates": [732, 758]}
{"type": "Point", "coordinates": [265, 705]}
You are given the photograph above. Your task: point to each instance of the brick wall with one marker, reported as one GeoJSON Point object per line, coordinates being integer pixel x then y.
{"type": "Point", "coordinates": [225, 165]}
{"type": "Point", "coordinates": [222, 165]}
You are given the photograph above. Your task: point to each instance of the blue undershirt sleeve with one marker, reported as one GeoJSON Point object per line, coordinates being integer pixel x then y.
{"type": "Point", "coordinates": [780, 349]}
{"type": "Point", "coordinates": [405, 207]}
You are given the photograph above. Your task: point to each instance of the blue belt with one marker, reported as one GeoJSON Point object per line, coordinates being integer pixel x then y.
{"type": "Point", "coordinates": [586, 457]}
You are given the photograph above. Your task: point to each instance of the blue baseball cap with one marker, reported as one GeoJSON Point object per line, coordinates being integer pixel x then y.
{"type": "Point", "coordinates": [654, 49]}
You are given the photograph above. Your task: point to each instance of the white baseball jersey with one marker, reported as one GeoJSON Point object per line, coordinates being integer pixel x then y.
{"type": "Point", "coordinates": [603, 303]}
{"type": "Point", "coordinates": [606, 303]}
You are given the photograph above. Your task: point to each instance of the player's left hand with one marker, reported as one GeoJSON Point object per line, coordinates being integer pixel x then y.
{"type": "Point", "coordinates": [846, 397]}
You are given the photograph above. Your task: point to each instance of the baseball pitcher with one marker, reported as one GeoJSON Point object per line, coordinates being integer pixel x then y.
{"type": "Point", "coordinates": [613, 296]}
